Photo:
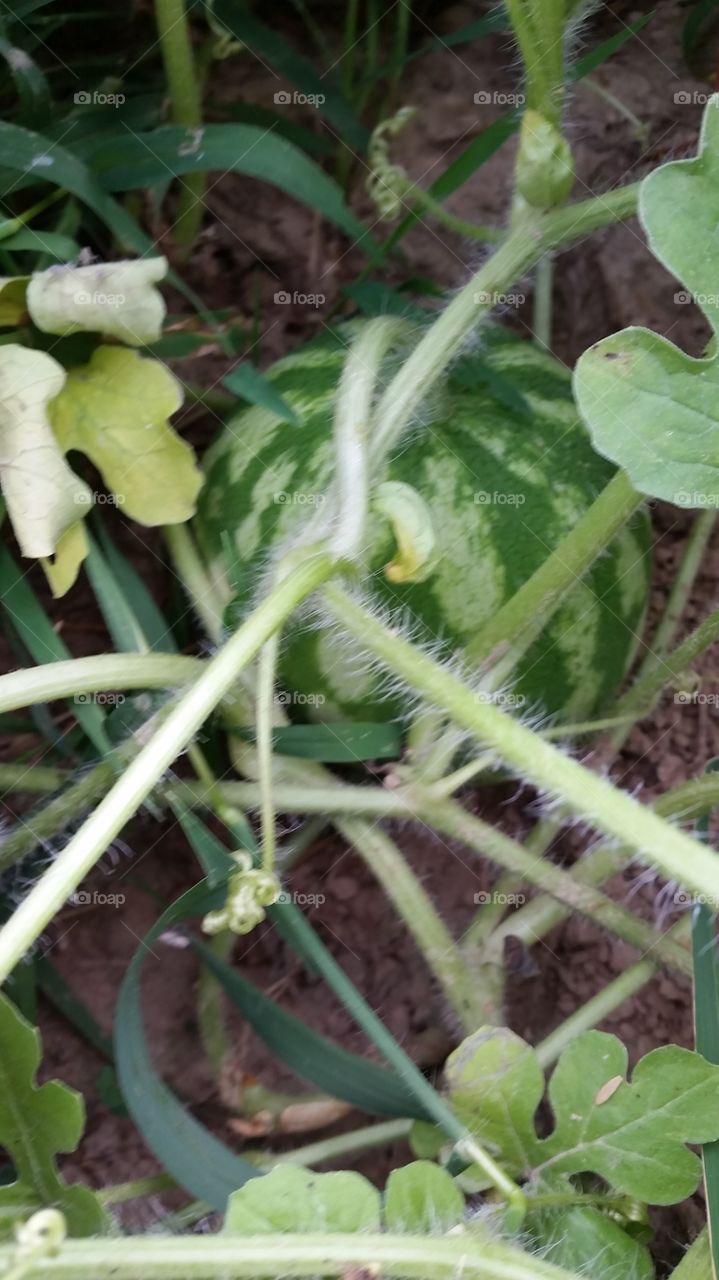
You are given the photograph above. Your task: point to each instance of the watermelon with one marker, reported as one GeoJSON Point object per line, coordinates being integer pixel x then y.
{"type": "Point", "coordinates": [505, 469]}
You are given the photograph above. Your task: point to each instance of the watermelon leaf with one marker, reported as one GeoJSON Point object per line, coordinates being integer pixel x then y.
{"type": "Point", "coordinates": [422, 1198]}
{"type": "Point", "coordinates": [581, 1236]}
{"type": "Point", "coordinates": [419, 1198]}
{"type": "Point", "coordinates": [298, 1200]}
{"type": "Point", "coordinates": [632, 1134]}
{"type": "Point", "coordinates": [36, 1124]}
{"type": "Point", "coordinates": [151, 471]}
{"type": "Point", "coordinates": [649, 407]}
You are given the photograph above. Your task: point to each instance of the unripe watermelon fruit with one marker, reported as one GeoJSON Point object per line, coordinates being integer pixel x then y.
{"type": "Point", "coordinates": [505, 468]}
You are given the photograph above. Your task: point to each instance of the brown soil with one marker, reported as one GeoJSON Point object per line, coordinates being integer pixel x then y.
{"type": "Point", "coordinates": [257, 241]}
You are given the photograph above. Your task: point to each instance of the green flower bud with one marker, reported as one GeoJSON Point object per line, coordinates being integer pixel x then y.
{"type": "Point", "coordinates": [249, 891]}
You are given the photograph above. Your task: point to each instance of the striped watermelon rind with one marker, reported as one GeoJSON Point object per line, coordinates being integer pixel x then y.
{"type": "Point", "coordinates": [505, 468]}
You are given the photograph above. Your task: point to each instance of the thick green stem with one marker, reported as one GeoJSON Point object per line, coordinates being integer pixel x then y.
{"type": "Point", "coordinates": [44, 824]}
{"type": "Point", "coordinates": [532, 922]}
{"type": "Point", "coordinates": [353, 414]}
{"type": "Point", "coordinates": [206, 598]}
{"type": "Point", "coordinates": [86, 676]}
{"type": "Point", "coordinates": [452, 820]}
{"type": "Point", "coordinates": [527, 612]}
{"type": "Point", "coordinates": [589, 796]}
{"type": "Point", "coordinates": [31, 778]}
{"type": "Point", "coordinates": [342, 1144]}
{"type": "Point", "coordinates": [205, 1257]}
{"type": "Point", "coordinates": [523, 247]}
{"type": "Point", "coordinates": [173, 735]}
{"type": "Point", "coordinates": [186, 107]}
{"type": "Point", "coordinates": [642, 694]}
{"type": "Point", "coordinates": [416, 909]}
{"type": "Point", "coordinates": [265, 722]}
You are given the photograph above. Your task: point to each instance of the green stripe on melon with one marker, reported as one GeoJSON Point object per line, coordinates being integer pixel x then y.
{"type": "Point", "coordinates": [505, 477]}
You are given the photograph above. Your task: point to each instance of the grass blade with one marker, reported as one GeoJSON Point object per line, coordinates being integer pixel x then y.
{"type": "Point", "coordinates": [143, 159]}
{"type": "Point", "coordinates": [202, 1164]}
{"type": "Point", "coordinates": [39, 636]}
{"type": "Point", "coordinates": [150, 619]}
{"type": "Point", "coordinates": [312, 1056]}
{"type": "Point", "coordinates": [270, 46]}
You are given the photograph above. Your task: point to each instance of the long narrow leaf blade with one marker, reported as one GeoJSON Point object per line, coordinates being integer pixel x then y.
{"type": "Point", "coordinates": [39, 636]}
{"type": "Point", "coordinates": [201, 1163]}
{"type": "Point", "coordinates": [266, 43]}
{"type": "Point", "coordinates": [143, 159]}
{"type": "Point", "coordinates": [342, 1074]}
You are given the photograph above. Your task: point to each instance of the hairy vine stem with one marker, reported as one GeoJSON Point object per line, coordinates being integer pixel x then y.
{"type": "Point", "coordinates": [474, 1256]}
{"type": "Point", "coordinates": [589, 796]}
{"type": "Point", "coordinates": [173, 735]}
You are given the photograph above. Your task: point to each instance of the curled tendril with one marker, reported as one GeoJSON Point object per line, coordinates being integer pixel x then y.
{"type": "Point", "coordinates": [387, 182]}
{"type": "Point", "coordinates": [42, 1236]}
{"type": "Point", "coordinates": [249, 891]}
